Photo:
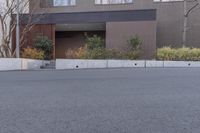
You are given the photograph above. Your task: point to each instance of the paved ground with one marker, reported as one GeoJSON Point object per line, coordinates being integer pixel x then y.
{"type": "Point", "coordinates": [100, 101]}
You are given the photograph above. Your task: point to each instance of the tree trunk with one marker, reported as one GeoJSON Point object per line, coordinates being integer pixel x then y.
{"type": "Point", "coordinates": [185, 27]}
{"type": "Point", "coordinates": [185, 24]}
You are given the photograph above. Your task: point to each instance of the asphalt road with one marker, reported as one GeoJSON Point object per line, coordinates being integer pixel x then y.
{"type": "Point", "coordinates": [100, 101]}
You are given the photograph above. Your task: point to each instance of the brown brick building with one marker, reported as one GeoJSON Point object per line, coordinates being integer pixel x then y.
{"type": "Point", "coordinates": [157, 23]}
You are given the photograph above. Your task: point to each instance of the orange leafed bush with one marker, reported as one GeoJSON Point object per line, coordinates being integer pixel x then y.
{"type": "Point", "coordinates": [76, 53]}
{"type": "Point", "coordinates": [32, 53]}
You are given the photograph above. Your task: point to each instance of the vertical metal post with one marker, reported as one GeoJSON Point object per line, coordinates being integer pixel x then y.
{"type": "Point", "coordinates": [17, 32]}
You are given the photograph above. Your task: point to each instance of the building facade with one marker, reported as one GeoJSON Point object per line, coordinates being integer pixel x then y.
{"type": "Point", "coordinates": [157, 22]}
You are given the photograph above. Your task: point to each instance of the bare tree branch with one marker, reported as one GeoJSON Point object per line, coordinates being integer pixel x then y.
{"type": "Point", "coordinates": [8, 24]}
{"type": "Point", "coordinates": [195, 4]}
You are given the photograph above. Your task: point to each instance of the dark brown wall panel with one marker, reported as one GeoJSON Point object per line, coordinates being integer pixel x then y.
{"type": "Point", "coordinates": [117, 34]}
{"type": "Point", "coordinates": [29, 37]}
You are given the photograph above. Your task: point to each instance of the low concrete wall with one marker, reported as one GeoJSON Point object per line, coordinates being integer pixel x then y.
{"type": "Point", "coordinates": [181, 64]}
{"type": "Point", "coordinates": [10, 64]}
{"type": "Point", "coordinates": [19, 64]}
{"type": "Point", "coordinates": [154, 63]}
{"type": "Point", "coordinates": [29, 64]}
{"type": "Point", "coordinates": [125, 63]}
{"type": "Point", "coordinates": [70, 64]}
{"type": "Point", "coordinates": [97, 64]}
{"type": "Point", "coordinates": [81, 64]}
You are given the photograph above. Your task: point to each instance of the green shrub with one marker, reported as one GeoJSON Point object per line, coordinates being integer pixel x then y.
{"type": "Point", "coordinates": [100, 53]}
{"type": "Point", "coordinates": [45, 44]}
{"type": "Point", "coordinates": [166, 53]}
{"type": "Point", "coordinates": [95, 49]}
{"type": "Point", "coordinates": [79, 53]}
{"type": "Point", "coordinates": [132, 55]}
{"type": "Point", "coordinates": [134, 43]}
{"type": "Point", "coordinates": [94, 42]}
{"type": "Point", "coordinates": [83, 53]}
{"type": "Point", "coordinates": [180, 54]}
{"type": "Point", "coordinates": [195, 54]}
{"type": "Point", "coordinates": [114, 54]}
{"type": "Point", "coordinates": [97, 53]}
{"type": "Point", "coordinates": [33, 53]}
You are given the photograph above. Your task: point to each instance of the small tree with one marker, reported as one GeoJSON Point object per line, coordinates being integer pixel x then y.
{"type": "Point", "coordinates": [45, 44]}
{"type": "Point", "coordinates": [95, 47]}
{"type": "Point", "coordinates": [134, 43]}
{"type": "Point", "coordinates": [94, 42]}
{"type": "Point", "coordinates": [8, 9]}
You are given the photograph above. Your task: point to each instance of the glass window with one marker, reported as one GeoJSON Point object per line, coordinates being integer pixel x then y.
{"type": "Point", "coordinates": [113, 1]}
{"type": "Point", "coordinates": [64, 2]}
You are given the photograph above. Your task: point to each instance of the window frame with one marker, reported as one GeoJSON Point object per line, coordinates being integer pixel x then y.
{"type": "Point", "coordinates": [71, 5]}
{"type": "Point", "coordinates": [167, 1]}
{"type": "Point", "coordinates": [113, 3]}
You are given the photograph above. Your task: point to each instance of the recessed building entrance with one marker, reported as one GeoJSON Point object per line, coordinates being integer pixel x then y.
{"type": "Point", "coordinates": [72, 36]}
